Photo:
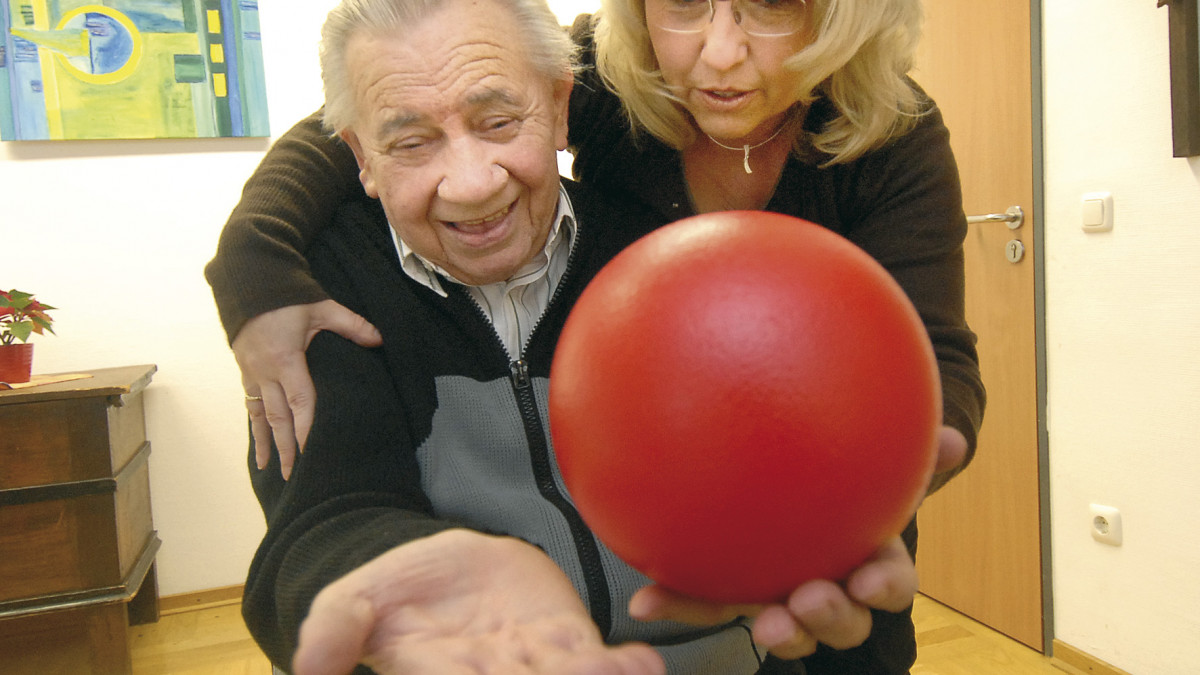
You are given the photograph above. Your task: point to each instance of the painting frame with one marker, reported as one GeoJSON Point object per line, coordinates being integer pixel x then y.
{"type": "Point", "coordinates": [1184, 31]}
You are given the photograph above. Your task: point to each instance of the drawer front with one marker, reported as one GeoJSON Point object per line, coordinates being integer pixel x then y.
{"type": "Point", "coordinates": [78, 543]}
{"type": "Point", "coordinates": [92, 639]}
{"type": "Point", "coordinates": [58, 546]}
{"type": "Point", "coordinates": [68, 440]}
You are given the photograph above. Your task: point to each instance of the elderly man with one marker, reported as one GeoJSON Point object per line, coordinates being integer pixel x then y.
{"type": "Point", "coordinates": [425, 528]}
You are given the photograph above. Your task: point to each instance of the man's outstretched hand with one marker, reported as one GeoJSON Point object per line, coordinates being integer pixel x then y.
{"type": "Point", "coordinates": [460, 602]}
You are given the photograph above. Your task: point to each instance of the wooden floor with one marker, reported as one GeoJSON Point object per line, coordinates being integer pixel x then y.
{"type": "Point", "coordinates": [204, 641]}
{"type": "Point", "coordinates": [949, 643]}
{"type": "Point", "coordinates": [214, 640]}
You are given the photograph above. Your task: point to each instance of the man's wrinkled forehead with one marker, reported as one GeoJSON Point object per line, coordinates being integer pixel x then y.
{"type": "Point", "coordinates": [411, 73]}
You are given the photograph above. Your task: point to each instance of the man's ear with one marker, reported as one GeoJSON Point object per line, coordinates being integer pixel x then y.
{"type": "Point", "coordinates": [562, 104]}
{"type": "Point", "coordinates": [364, 170]}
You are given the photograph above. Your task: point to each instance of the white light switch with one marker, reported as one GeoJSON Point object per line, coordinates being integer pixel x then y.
{"type": "Point", "coordinates": [1097, 211]}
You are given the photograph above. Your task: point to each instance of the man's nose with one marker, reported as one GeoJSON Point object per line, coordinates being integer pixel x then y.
{"type": "Point", "coordinates": [470, 172]}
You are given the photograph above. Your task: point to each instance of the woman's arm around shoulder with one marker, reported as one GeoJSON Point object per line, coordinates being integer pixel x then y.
{"type": "Point", "coordinates": [267, 299]}
{"type": "Point", "coordinates": [294, 192]}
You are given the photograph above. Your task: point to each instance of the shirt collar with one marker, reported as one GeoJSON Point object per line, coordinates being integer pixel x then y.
{"type": "Point", "coordinates": [427, 273]}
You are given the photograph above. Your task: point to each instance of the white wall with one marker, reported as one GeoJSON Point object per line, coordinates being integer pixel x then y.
{"type": "Point", "coordinates": [1123, 325]}
{"type": "Point", "coordinates": [115, 234]}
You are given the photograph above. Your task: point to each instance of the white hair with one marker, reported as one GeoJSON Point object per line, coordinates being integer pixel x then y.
{"type": "Point", "coordinates": [547, 45]}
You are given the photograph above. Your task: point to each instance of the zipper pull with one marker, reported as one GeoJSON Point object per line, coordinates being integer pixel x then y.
{"type": "Point", "coordinates": [519, 370]}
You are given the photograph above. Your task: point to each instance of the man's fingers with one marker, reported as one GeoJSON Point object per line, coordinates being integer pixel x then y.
{"type": "Point", "coordinates": [511, 653]}
{"type": "Point", "coordinates": [333, 636]}
{"type": "Point", "coordinates": [626, 659]}
{"type": "Point", "coordinates": [576, 647]}
{"type": "Point", "coordinates": [639, 659]}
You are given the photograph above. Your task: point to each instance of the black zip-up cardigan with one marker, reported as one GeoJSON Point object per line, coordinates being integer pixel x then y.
{"type": "Point", "coordinates": [441, 428]}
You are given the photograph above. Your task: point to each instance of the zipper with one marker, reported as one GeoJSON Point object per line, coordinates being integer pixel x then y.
{"type": "Point", "coordinates": [554, 297]}
{"type": "Point", "coordinates": [540, 454]}
{"type": "Point", "coordinates": [599, 597]}
{"type": "Point", "coordinates": [558, 290]}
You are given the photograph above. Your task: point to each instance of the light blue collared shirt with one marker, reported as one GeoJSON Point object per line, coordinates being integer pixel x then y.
{"type": "Point", "coordinates": [515, 305]}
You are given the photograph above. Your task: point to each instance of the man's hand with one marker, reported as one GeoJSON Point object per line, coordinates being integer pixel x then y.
{"type": "Point", "coordinates": [819, 611]}
{"type": "Point", "coordinates": [270, 352]}
{"type": "Point", "coordinates": [460, 602]}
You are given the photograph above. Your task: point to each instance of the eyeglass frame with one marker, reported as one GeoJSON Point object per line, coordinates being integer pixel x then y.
{"type": "Point", "coordinates": [712, 7]}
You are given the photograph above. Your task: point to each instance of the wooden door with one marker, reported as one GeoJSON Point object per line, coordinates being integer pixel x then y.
{"type": "Point", "coordinates": [980, 546]}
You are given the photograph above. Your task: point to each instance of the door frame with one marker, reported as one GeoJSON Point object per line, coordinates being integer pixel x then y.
{"type": "Point", "coordinates": [1039, 310]}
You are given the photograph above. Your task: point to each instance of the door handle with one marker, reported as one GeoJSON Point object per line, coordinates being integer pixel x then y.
{"type": "Point", "coordinates": [1014, 217]}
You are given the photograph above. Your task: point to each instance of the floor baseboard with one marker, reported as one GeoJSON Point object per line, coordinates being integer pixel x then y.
{"type": "Point", "coordinates": [1075, 661]}
{"type": "Point", "coordinates": [212, 597]}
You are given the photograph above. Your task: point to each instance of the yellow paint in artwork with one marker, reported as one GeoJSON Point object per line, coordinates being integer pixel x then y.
{"type": "Point", "coordinates": [118, 74]}
{"type": "Point", "coordinates": [54, 125]}
{"type": "Point", "coordinates": [216, 53]}
{"type": "Point", "coordinates": [127, 109]}
{"type": "Point", "coordinates": [219, 87]}
{"type": "Point", "coordinates": [214, 21]}
{"type": "Point", "coordinates": [41, 16]}
{"type": "Point", "coordinates": [69, 42]}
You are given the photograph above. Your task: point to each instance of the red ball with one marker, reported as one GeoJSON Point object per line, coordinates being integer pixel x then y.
{"type": "Point", "coordinates": [744, 401]}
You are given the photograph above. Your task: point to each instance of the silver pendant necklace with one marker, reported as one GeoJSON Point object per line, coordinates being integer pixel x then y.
{"type": "Point", "coordinates": [746, 148]}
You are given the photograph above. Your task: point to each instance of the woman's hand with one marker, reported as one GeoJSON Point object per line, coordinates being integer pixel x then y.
{"type": "Point", "coordinates": [457, 603]}
{"type": "Point", "coordinates": [819, 611]}
{"type": "Point", "coordinates": [280, 396]}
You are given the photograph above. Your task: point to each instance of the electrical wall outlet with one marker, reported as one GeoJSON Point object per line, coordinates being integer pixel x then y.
{"type": "Point", "coordinates": [1106, 524]}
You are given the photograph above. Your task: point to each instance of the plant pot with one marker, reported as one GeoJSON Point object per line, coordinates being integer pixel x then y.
{"type": "Point", "coordinates": [16, 362]}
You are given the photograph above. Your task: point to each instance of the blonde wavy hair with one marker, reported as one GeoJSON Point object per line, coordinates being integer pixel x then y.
{"type": "Point", "coordinates": [858, 59]}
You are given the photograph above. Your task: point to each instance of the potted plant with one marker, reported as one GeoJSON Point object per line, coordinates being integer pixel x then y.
{"type": "Point", "coordinates": [21, 315]}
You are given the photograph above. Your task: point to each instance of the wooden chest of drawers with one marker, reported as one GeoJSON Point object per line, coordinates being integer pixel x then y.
{"type": "Point", "coordinates": [77, 541]}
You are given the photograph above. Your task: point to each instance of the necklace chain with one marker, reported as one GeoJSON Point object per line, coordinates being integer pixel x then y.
{"type": "Point", "coordinates": [747, 147]}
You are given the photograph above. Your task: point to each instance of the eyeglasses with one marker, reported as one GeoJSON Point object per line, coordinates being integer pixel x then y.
{"type": "Point", "coordinates": [760, 18]}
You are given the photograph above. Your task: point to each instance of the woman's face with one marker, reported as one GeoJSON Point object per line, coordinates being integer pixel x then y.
{"type": "Point", "coordinates": [732, 82]}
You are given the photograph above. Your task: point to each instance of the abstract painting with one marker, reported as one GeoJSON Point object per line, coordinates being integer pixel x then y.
{"type": "Point", "coordinates": [124, 69]}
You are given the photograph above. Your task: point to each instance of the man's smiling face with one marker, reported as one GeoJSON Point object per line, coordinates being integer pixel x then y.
{"type": "Point", "coordinates": [456, 134]}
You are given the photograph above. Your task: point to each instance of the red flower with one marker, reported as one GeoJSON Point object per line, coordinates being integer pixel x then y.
{"type": "Point", "coordinates": [21, 315]}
